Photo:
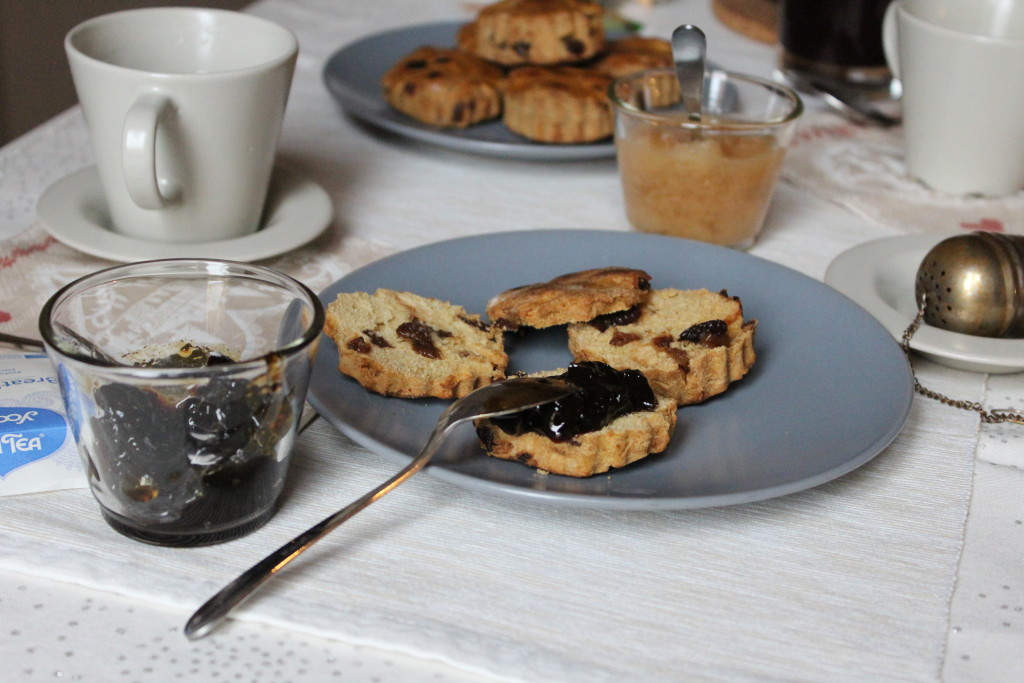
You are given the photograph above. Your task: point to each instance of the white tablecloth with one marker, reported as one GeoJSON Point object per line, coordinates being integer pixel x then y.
{"type": "Point", "coordinates": [907, 569]}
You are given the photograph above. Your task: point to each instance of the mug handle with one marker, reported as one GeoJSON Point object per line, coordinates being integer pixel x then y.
{"type": "Point", "coordinates": [138, 150]}
{"type": "Point", "coordinates": [890, 38]}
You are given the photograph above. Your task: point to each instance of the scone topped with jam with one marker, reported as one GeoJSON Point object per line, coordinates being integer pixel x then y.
{"type": "Point", "coordinates": [571, 298]}
{"type": "Point", "coordinates": [691, 344]}
{"type": "Point", "coordinates": [402, 344]}
{"type": "Point", "coordinates": [444, 87]}
{"type": "Point", "coordinates": [613, 420]}
{"type": "Point", "coordinates": [514, 32]}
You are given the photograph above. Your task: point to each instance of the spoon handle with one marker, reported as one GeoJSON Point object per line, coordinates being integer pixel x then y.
{"type": "Point", "coordinates": [499, 398]}
{"type": "Point", "coordinates": [20, 342]}
{"type": "Point", "coordinates": [689, 46]}
{"type": "Point", "coordinates": [853, 109]}
{"type": "Point", "coordinates": [217, 608]}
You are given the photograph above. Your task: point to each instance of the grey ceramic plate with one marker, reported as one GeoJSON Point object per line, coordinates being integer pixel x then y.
{"type": "Point", "coordinates": [353, 73]}
{"type": "Point", "coordinates": [830, 389]}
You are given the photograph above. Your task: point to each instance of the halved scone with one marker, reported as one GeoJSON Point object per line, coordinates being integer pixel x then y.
{"type": "Point", "coordinates": [571, 298]}
{"type": "Point", "coordinates": [691, 344]}
{"type": "Point", "coordinates": [402, 344]}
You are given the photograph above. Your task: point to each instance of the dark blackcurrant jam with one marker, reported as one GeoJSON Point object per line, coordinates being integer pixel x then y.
{"type": "Point", "coordinates": [605, 394]}
{"type": "Point", "coordinates": [191, 459]}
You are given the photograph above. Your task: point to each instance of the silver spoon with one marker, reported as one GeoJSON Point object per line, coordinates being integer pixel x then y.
{"type": "Point", "coordinates": [84, 345]}
{"type": "Point", "coordinates": [20, 342]}
{"type": "Point", "coordinates": [81, 343]}
{"type": "Point", "coordinates": [855, 108]}
{"type": "Point", "coordinates": [689, 46]}
{"type": "Point", "coordinates": [500, 398]}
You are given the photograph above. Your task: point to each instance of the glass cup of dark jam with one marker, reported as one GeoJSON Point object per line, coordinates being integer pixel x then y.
{"type": "Point", "coordinates": [184, 381]}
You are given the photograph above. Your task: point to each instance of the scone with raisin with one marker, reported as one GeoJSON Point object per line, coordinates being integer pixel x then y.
{"type": "Point", "coordinates": [445, 87]}
{"type": "Point", "coordinates": [635, 54]}
{"type": "Point", "coordinates": [615, 419]}
{"type": "Point", "coordinates": [691, 344]}
{"type": "Point", "coordinates": [561, 104]}
{"type": "Point", "coordinates": [515, 32]}
{"type": "Point", "coordinates": [571, 298]}
{"type": "Point", "coordinates": [402, 344]}
{"type": "Point", "coordinates": [625, 56]}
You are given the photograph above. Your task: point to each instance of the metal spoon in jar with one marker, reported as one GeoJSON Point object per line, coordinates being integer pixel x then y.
{"type": "Point", "coordinates": [689, 46]}
{"type": "Point", "coordinates": [500, 398]}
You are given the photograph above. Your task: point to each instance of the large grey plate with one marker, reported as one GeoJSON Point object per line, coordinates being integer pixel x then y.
{"type": "Point", "coordinates": [830, 389]}
{"type": "Point", "coordinates": [353, 73]}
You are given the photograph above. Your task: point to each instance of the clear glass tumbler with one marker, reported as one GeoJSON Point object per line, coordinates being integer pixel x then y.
{"type": "Point", "coordinates": [184, 381]}
{"type": "Point", "coordinates": [709, 178]}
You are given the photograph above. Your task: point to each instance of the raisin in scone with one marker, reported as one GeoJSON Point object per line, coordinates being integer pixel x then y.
{"type": "Point", "coordinates": [689, 343]}
{"type": "Point", "coordinates": [403, 344]}
{"type": "Point", "coordinates": [615, 419]}
{"type": "Point", "coordinates": [561, 104]}
{"type": "Point", "coordinates": [571, 298]}
{"type": "Point", "coordinates": [444, 87]}
{"type": "Point", "coordinates": [515, 32]}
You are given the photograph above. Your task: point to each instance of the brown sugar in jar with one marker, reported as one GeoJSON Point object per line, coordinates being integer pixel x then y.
{"type": "Point", "coordinates": [707, 175]}
{"type": "Point", "coordinates": [696, 184]}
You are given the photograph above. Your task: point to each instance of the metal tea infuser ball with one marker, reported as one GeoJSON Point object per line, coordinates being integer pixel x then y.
{"type": "Point", "coordinates": [974, 284]}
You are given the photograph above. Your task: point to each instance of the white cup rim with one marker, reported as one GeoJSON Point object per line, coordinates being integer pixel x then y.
{"type": "Point", "coordinates": [290, 42]}
{"type": "Point", "coordinates": [906, 10]}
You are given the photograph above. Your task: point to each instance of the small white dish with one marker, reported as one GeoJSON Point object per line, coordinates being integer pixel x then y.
{"type": "Point", "coordinates": [74, 211]}
{"type": "Point", "coordinates": [879, 275]}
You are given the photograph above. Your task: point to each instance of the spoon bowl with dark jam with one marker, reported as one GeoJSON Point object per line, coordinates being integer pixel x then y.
{"type": "Point", "coordinates": [505, 397]}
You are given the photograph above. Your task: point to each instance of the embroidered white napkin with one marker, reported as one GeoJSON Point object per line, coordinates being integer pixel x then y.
{"type": "Point", "coordinates": [862, 168]}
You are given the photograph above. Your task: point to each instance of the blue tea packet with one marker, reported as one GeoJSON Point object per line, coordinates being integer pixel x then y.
{"type": "Point", "coordinates": [37, 447]}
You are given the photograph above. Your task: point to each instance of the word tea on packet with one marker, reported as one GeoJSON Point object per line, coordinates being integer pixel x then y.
{"type": "Point", "coordinates": [37, 447]}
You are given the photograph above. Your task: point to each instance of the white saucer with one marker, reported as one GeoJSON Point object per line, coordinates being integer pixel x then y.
{"type": "Point", "coordinates": [74, 211]}
{"type": "Point", "coordinates": [880, 275]}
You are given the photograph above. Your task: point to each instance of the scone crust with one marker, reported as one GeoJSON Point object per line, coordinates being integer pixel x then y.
{"type": "Point", "coordinates": [627, 439]}
{"type": "Point", "coordinates": [574, 297]}
{"type": "Point", "coordinates": [515, 32]}
{"type": "Point", "coordinates": [689, 372]}
{"type": "Point", "coordinates": [444, 87]}
{"type": "Point", "coordinates": [631, 54]}
{"type": "Point", "coordinates": [562, 104]}
{"type": "Point", "coordinates": [364, 326]}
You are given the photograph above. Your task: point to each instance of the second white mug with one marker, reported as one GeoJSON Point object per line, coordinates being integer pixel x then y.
{"type": "Point", "coordinates": [184, 108]}
{"type": "Point", "coordinates": [961, 67]}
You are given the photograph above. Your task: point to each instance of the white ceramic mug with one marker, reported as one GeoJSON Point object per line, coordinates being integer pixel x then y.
{"type": "Point", "coordinates": [961, 67]}
{"type": "Point", "coordinates": [184, 107]}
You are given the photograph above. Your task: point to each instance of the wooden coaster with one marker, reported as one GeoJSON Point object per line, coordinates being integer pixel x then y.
{"type": "Point", "coordinates": [756, 19]}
